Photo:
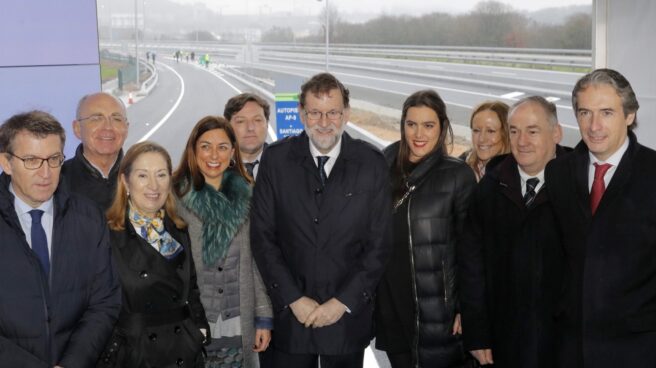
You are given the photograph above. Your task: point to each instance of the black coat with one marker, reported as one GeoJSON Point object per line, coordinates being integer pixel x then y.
{"type": "Point", "coordinates": [321, 243]}
{"type": "Point", "coordinates": [608, 314]}
{"type": "Point", "coordinates": [511, 264]}
{"type": "Point", "coordinates": [434, 217]}
{"type": "Point", "coordinates": [67, 320]}
{"type": "Point", "coordinates": [162, 315]}
{"type": "Point", "coordinates": [82, 178]}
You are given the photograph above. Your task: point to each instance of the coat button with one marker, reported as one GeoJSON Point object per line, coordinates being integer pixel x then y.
{"type": "Point", "coordinates": [274, 285]}
{"type": "Point", "coordinates": [179, 362]}
{"type": "Point", "coordinates": [318, 190]}
{"type": "Point", "coordinates": [316, 220]}
{"type": "Point", "coordinates": [177, 330]}
{"type": "Point", "coordinates": [220, 291]}
{"type": "Point", "coordinates": [175, 297]}
{"type": "Point", "coordinates": [220, 269]}
{"type": "Point", "coordinates": [143, 274]}
{"type": "Point", "coordinates": [152, 337]}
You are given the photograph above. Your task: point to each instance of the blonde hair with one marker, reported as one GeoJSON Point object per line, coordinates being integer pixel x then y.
{"type": "Point", "coordinates": [116, 213]}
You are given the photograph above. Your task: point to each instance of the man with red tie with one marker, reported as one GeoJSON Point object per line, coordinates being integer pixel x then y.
{"type": "Point", "coordinates": [604, 200]}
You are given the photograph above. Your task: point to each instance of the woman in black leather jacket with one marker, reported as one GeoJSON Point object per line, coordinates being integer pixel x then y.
{"type": "Point", "coordinates": [417, 320]}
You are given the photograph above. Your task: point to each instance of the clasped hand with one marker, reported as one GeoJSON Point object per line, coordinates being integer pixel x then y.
{"type": "Point", "coordinates": [310, 313]}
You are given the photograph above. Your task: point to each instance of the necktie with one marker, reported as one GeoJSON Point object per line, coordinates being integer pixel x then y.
{"type": "Point", "coordinates": [250, 166]}
{"type": "Point", "coordinates": [39, 241]}
{"type": "Point", "coordinates": [530, 194]}
{"type": "Point", "coordinates": [598, 186]}
{"type": "Point", "coordinates": [322, 172]}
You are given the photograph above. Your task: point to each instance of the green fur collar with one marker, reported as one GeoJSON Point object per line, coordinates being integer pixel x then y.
{"type": "Point", "coordinates": [222, 212]}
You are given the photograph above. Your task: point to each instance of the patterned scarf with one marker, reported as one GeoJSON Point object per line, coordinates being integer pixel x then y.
{"type": "Point", "coordinates": [222, 213]}
{"type": "Point", "coordinates": [153, 231]}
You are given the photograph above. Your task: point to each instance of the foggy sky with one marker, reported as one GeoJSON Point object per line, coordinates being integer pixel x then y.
{"type": "Point", "coordinates": [391, 7]}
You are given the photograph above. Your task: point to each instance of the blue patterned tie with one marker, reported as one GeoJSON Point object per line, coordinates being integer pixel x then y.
{"type": "Point", "coordinates": [39, 241]}
{"type": "Point", "coordinates": [321, 160]}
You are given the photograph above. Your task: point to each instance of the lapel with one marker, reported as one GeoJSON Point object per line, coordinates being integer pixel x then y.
{"type": "Point", "coordinates": [307, 176]}
{"type": "Point", "coordinates": [578, 170]}
{"type": "Point", "coordinates": [339, 186]}
{"type": "Point", "coordinates": [510, 182]}
{"type": "Point", "coordinates": [621, 176]}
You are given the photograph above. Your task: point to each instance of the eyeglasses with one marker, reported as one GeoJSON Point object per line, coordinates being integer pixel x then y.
{"type": "Point", "coordinates": [330, 115]}
{"type": "Point", "coordinates": [96, 119]}
{"type": "Point", "coordinates": [35, 163]}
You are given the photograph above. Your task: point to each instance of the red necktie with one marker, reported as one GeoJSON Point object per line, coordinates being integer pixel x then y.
{"type": "Point", "coordinates": [598, 185]}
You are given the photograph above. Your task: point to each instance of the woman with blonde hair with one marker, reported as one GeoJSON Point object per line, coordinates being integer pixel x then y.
{"type": "Point", "coordinates": [214, 193]}
{"type": "Point", "coordinates": [162, 321]}
{"type": "Point", "coordinates": [490, 138]}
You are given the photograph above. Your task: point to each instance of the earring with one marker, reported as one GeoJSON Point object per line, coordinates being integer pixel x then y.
{"type": "Point", "coordinates": [233, 163]}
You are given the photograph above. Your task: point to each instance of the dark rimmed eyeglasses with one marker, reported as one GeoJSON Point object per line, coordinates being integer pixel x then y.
{"type": "Point", "coordinates": [35, 163]}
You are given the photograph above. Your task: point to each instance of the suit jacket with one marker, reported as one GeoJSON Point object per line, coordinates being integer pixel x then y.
{"type": "Point", "coordinates": [65, 318]}
{"type": "Point", "coordinates": [511, 264]}
{"type": "Point", "coordinates": [321, 242]}
{"type": "Point", "coordinates": [608, 314]}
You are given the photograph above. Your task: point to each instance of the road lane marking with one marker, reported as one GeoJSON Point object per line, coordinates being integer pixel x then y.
{"type": "Point", "coordinates": [512, 95]}
{"type": "Point", "coordinates": [173, 108]}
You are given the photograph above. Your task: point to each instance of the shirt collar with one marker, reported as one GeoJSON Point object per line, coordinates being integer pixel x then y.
{"type": "Point", "coordinates": [333, 153]}
{"type": "Point", "coordinates": [615, 158]}
{"type": "Point", "coordinates": [22, 208]}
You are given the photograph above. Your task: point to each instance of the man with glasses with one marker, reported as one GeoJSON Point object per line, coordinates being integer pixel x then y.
{"type": "Point", "coordinates": [249, 117]}
{"type": "Point", "coordinates": [101, 124]}
{"type": "Point", "coordinates": [320, 233]}
{"type": "Point", "coordinates": [59, 298]}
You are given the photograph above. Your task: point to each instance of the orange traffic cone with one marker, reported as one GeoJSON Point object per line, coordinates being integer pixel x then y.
{"type": "Point", "coordinates": [130, 101]}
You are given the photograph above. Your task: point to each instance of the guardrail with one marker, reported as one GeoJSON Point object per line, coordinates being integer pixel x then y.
{"type": "Point", "coordinates": [573, 58]}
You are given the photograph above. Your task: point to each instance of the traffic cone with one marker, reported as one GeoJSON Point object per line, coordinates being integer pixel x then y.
{"type": "Point", "coordinates": [130, 102]}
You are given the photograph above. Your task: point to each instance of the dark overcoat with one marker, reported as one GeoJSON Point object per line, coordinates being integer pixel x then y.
{"type": "Point", "coordinates": [511, 263]}
{"type": "Point", "coordinates": [608, 314]}
{"type": "Point", "coordinates": [65, 318]}
{"type": "Point", "coordinates": [161, 317]}
{"type": "Point", "coordinates": [321, 242]}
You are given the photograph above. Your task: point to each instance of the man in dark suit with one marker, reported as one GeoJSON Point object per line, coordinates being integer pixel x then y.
{"type": "Point", "coordinates": [59, 297]}
{"type": "Point", "coordinates": [320, 232]}
{"type": "Point", "coordinates": [101, 125]}
{"type": "Point", "coordinates": [248, 115]}
{"type": "Point", "coordinates": [603, 196]}
{"type": "Point", "coordinates": [510, 258]}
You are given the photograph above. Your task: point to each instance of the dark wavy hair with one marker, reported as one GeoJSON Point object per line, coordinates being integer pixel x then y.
{"type": "Point", "coordinates": [188, 174]}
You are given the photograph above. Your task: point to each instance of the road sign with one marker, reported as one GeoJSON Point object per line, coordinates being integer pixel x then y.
{"type": "Point", "coordinates": [288, 120]}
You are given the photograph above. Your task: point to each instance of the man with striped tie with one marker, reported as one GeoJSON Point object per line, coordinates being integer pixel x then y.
{"type": "Point", "coordinates": [59, 297]}
{"type": "Point", "coordinates": [510, 261]}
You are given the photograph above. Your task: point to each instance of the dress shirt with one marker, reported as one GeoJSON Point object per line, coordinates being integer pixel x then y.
{"type": "Point", "coordinates": [257, 167]}
{"type": "Point", "coordinates": [614, 160]}
{"type": "Point", "coordinates": [333, 154]}
{"type": "Point", "coordinates": [23, 211]}
{"type": "Point", "coordinates": [523, 176]}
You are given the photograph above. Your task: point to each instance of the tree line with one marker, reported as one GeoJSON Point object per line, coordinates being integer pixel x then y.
{"type": "Point", "coordinates": [489, 24]}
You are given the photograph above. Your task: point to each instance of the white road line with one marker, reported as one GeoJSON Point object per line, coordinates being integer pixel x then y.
{"type": "Point", "coordinates": [512, 95]}
{"type": "Point", "coordinates": [175, 105]}
{"type": "Point", "coordinates": [505, 74]}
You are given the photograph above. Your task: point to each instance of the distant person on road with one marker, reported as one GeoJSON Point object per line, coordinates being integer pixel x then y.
{"type": "Point", "coordinates": [101, 124]}
{"type": "Point", "coordinates": [510, 259]}
{"type": "Point", "coordinates": [249, 116]}
{"type": "Point", "coordinates": [193, 56]}
{"type": "Point", "coordinates": [177, 56]}
{"type": "Point", "coordinates": [417, 308]}
{"type": "Point", "coordinates": [489, 135]}
{"type": "Point", "coordinates": [214, 196]}
{"type": "Point", "coordinates": [59, 297]}
{"type": "Point", "coordinates": [153, 55]}
{"type": "Point", "coordinates": [320, 233]}
{"type": "Point", "coordinates": [206, 60]}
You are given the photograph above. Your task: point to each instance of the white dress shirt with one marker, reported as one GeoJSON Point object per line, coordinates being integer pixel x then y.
{"type": "Point", "coordinates": [614, 160]}
{"type": "Point", "coordinates": [23, 211]}
{"type": "Point", "coordinates": [523, 176]}
{"type": "Point", "coordinates": [333, 154]}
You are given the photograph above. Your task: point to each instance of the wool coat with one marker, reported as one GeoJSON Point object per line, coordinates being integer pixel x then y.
{"type": "Point", "coordinates": [511, 264]}
{"type": "Point", "coordinates": [322, 242]}
{"type": "Point", "coordinates": [608, 313]}
{"type": "Point", "coordinates": [161, 315]}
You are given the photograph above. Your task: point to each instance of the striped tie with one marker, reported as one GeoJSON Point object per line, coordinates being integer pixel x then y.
{"type": "Point", "coordinates": [529, 197]}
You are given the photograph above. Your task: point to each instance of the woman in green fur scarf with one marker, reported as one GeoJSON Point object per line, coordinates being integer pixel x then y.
{"type": "Point", "coordinates": [213, 192]}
